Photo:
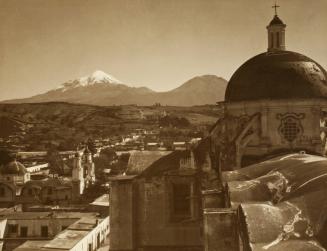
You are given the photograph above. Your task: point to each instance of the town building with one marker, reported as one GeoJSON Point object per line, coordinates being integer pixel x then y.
{"type": "Point", "coordinates": [14, 172]}
{"type": "Point", "coordinates": [209, 197]}
{"type": "Point", "coordinates": [13, 177]}
{"type": "Point", "coordinates": [17, 187]}
{"type": "Point", "coordinates": [23, 231]}
{"type": "Point", "coordinates": [157, 204]}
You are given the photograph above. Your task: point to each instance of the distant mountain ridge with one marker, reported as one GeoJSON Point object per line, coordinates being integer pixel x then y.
{"type": "Point", "coordinates": [103, 89]}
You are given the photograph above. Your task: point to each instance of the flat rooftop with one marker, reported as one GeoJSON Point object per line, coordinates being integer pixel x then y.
{"type": "Point", "coordinates": [85, 224]}
{"type": "Point", "coordinates": [42, 215]}
{"type": "Point", "coordinates": [34, 245]}
{"type": "Point", "coordinates": [67, 239]}
{"type": "Point", "coordinates": [103, 200]}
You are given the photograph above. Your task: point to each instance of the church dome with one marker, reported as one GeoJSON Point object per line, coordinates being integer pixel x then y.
{"type": "Point", "coordinates": [13, 167]}
{"type": "Point", "coordinates": [277, 75]}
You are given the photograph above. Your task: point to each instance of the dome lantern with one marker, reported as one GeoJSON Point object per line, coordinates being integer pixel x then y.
{"type": "Point", "coordinates": [276, 33]}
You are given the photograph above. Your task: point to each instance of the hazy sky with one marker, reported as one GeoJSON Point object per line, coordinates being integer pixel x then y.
{"type": "Point", "coordinates": [154, 43]}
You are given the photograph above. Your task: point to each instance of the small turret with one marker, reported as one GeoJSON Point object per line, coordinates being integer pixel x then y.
{"type": "Point", "coordinates": [276, 33]}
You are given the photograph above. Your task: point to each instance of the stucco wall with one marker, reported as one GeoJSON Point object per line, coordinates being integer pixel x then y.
{"type": "Point", "coordinates": [220, 227]}
{"type": "Point", "coordinates": [122, 215]}
{"type": "Point", "coordinates": [154, 226]}
{"type": "Point", "coordinates": [34, 226]}
{"type": "Point", "coordinates": [91, 238]}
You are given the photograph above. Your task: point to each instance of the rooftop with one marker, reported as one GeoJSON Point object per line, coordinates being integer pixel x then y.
{"type": "Point", "coordinates": [34, 245]}
{"type": "Point", "coordinates": [276, 21]}
{"type": "Point", "coordinates": [67, 239]}
{"type": "Point", "coordinates": [140, 160]}
{"type": "Point", "coordinates": [84, 224]}
{"type": "Point", "coordinates": [287, 195]}
{"type": "Point", "coordinates": [42, 215]}
{"type": "Point", "coordinates": [103, 200]}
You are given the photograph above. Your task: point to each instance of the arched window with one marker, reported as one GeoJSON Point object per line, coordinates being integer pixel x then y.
{"type": "Point", "coordinates": [278, 44]}
{"type": "Point", "coordinates": [272, 40]}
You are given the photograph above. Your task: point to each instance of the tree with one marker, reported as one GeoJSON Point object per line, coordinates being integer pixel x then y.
{"type": "Point", "coordinates": [68, 144]}
{"type": "Point", "coordinates": [56, 162]}
{"type": "Point", "coordinates": [91, 146]}
{"type": "Point", "coordinates": [173, 121]}
{"type": "Point", "coordinates": [5, 157]}
{"type": "Point", "coordinates": [94, 191]}
{"type": "Point", "coordinates": [106, 160]}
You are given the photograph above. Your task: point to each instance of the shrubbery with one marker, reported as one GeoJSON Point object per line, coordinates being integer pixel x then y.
{"type": "Point", "coordinates": [173, 121]}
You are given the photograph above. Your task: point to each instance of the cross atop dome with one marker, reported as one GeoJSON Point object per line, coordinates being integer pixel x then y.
{"type": "Point", "coordinates": [275, 6]}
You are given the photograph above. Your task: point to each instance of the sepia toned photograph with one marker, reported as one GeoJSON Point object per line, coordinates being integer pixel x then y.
{"type": "Point", "coordinates": [163, 125]}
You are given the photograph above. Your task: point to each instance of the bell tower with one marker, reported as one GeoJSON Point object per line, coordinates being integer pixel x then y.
{"type": "Point", "coordinates": [276, 33]}
{"type": "Point", "coordinates": [77, 177]}
{"type": "Point", "coordinates": [89, 167]}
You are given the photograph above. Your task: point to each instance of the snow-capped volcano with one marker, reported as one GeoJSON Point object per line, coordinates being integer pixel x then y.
{"type": "Point", "coordinates": [97, 77]}
{"type": "Point", "coordinates": [100, 88]}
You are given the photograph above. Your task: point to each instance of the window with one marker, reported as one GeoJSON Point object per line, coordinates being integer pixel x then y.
{"type": "Point", "coordinates": [44, 231]}
{"type": "Point", "coordinates": [12, 228]}
{"type": "Point", "coordinates": [30, 191]}
{"type": "Point", "coordinates": [272, 40]}
{"type": "Point", "coordinates": [277, 39]}
{"type": "Point", "coordinates": [2, 192]}
{"type": "Point", "coordinates": [290, 129]}
{"type": "Point", "coordinates": [23, 231]}
{"type": "Point", "coordinates": [181, 201]}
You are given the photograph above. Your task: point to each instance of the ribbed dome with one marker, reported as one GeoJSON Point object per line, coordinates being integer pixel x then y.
{"type": "Point", "coordinates": [278, 75]}
{"type": "Point", "coordinates": [13, 167]}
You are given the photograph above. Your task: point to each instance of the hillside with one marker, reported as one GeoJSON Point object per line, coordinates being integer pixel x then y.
{"type": "Point", "coordinates": [40, 124]}
{"type": "Point", "coordinates": [104, 90]}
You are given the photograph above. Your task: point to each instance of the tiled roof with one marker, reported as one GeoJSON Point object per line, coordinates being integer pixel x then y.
{"type": "Point", "coordinates": [141, 160]}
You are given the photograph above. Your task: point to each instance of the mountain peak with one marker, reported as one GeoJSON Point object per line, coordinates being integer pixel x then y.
{"type": "Point", "coordinates": [202, 83]}
{"type": "Point", "coordinates": [98, 77]}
